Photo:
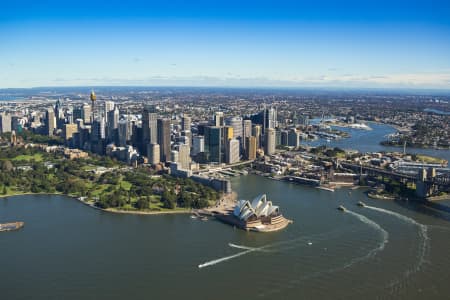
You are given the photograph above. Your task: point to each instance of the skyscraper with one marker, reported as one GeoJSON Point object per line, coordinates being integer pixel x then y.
{"type": "Point", "coordinates": [5, 123]}
{"type": "Point", "coordinates": [149, 126]}
{"type": "Point", "coordinates": [184, 156]}
{"type": "Point", "coordinates": [198, 144]}
{"type": "Point", "coordinates": [232, 153]}
{"type": "Point", "coordinates": [270, 118]}
{"type": "Point", "coordinates": [94, 113]}
{"type": "Point", "coordinates": [250, 147]}
{"type": "Point", "coordinates": [269, 148]}
{"type": "Point", "coordinates": [87, 113]}
{"type": "Point", "coordinates": [293, 138]}
{"type": "Point", "coordinates": [124, 134]}
{"type": "Point", "coordinates": [112, 124]}
{"type": "Point", "coordinates": [98, 130]}
{"type": "Point", "coordinates": [186, 123]}
{"type": "Point", "coordinates": [153, 154]}
{"type": "Point", "coordinates": [163, 126]}
{"type": "Point", "coordinates": [69, 130]}
{"type": "Point", "coordinates": [50, 121]}
{"type": "Point", "coordinates": [246, 131]}
{"type": "Point", "coordinates": [213, 143]}
{"type": "Point", "coordinates": [109, 106]}
{"type": "Point", "coordinates": [256, 132]}
{"type": "Point", "coordinates": [219, 119]}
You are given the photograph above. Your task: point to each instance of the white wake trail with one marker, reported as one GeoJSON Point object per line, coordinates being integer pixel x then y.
{"type": "Point", "coordinates": [376, 226]}
{"type": "Point", "coordinates": [247, 248]}
{"type": "Point", "coordinates": [423, 231]}
{"type": "Point", "coordinates": [216, 261]}
{"type": "Point", "coordinates": [260, 249]}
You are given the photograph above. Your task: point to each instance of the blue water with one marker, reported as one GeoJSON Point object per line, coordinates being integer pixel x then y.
{"type": "Point", "coordinates": [369, 141]}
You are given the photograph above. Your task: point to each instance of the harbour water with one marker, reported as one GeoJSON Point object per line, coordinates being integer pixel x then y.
{"type": "Point", "coordinates": [390, 250]}
{"type": "Point", "coordinates": [369, 141]}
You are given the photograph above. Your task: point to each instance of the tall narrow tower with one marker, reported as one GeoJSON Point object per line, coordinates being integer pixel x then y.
{"type": "Point", "coordinates": [93, 99]}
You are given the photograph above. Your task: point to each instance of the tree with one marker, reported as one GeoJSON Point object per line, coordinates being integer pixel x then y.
{"type": "Point", "coordinates": [143, 203]}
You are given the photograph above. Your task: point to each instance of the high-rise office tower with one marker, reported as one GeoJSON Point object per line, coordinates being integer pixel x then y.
{"type": "Point", "coordinates": [213, 143]}
{"type": "Point", "coordinates": [78, 113]}
{"type": "Point", "coordinates": [163, 126]}
{"type": "Point", "coordinates": [270, 137]}
{"type": "Point", "coordinates": [113, 124]}
{"type": "Point", "coordinates": [232, 153]}
{"type": "Point", "coordinates": [293, 138]}
{"type": "Point", "coordinates": [5, 122]}
{"type": "Point", "coordinates": [250, 147]}
{"type": "Point", "coordinates": [184, 156]}
{"type": "Point", "coordinates": [246, 131]}
{"type": "Point", "coordinates": [174, 156]}
{"type": "Point", "coordinates": [198, 144]}
{"type": "Point", "coordinates": [236, 123]}
{"type": "Point", "coordinates": [153, 154]}
{"type": "Point", "coordinates": [150, 126]}
{"type": "Point", "coordinates": [256, 132]}
{"type": "Point", "coordinates": [228, 133]}
{"type": "Point", "coordinates": [270, 118]}
{"type": "Point", "coordinates": [109, 106]}
{"type": "Point", "coordinates": [87, 113]}
{"type": "Point", "coordinates": [98, 130]}
{"type": "Point", "coordinates": [69, 130]}
{"type": "Point", "coordinates": [50, 121]}
{"type": "Point", "coordinates": [124, 135]}
{"type": "Point", "coordinates": [186, 123]}
{"type": "Point", "coordinates": [219, 119]}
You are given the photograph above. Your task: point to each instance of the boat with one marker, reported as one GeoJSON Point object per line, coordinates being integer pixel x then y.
{"type": "Point", "coordinates": [360, 203]}
{"type": "Point", "coordinates": [342, 208]}
{"type": "Point", "coordinates": [11, 226]}
{"type": "Point", "coordinates": [325, 188]}
{"type": "Point", "coordinates": [193, 217]}
{"type": "Point", "coordinates": [204, 219]}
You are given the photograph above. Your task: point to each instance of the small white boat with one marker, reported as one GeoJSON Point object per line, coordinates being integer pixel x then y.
{"type": "Point", "coordinates": [342, 208]}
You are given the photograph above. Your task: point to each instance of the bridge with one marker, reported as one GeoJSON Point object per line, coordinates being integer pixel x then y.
{"type": "Point", "coordinates": [426, 185]}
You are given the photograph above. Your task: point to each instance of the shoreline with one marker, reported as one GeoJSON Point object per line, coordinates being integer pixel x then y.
{"type": "Point", "coordinates": [116, 211]}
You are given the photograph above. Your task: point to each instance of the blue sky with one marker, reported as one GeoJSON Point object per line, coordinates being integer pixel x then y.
{"type": "Point", "coordinates": [345, 44]}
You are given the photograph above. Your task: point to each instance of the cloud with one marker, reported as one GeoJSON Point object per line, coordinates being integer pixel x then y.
{"type": "Point", "coordinates": [406, 80]}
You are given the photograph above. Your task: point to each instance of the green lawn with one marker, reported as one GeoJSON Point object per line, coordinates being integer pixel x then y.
{"type": "Point", "coordinates": [429, 159]}
{"type": "Point", "coordinates": [36, 157]}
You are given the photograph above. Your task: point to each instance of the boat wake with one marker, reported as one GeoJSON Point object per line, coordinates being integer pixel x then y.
{"type": "Point", "coordinates": [384, 240]}
{"type": "Point", "coordinates": [265, 248]}
{"type": "Point", "coordinates": [247, 248]}
{"type": "Point", "coordinates": [216, 261]}
{"type": "Point", "coordinates": [376, 226]}
{"type": "Point", "coordinates": [423, 233]}
{"type": "Point", "coordinates": [424, 243]}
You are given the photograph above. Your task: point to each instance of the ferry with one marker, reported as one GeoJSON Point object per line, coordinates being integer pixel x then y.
{"type": "Point", "coordinates": [11, 226]}
{"type": "Point", "coordinates": [342, 208]}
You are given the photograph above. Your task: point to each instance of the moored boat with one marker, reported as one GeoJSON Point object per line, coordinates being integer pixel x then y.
{"type": "Point", "coordinates": [11, 226]}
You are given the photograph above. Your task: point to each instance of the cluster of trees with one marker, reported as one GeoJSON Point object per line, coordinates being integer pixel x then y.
{"type": "Point", "coordinates": [28, 136]}
{"type": "Point", "coordinates": [168, 191]}
{"type": "Point", "coordinates": [126, 189]}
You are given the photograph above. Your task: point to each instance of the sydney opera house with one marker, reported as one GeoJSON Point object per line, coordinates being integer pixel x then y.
{"type": "Point", "coordinates": [258, 215]}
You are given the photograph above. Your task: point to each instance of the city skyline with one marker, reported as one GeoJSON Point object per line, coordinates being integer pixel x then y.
{"type": "Point", "coordinates": [256, 44]}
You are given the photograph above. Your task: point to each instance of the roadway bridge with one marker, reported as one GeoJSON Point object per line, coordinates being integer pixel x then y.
{"type": "Point", "coordinates": [439, 182]}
